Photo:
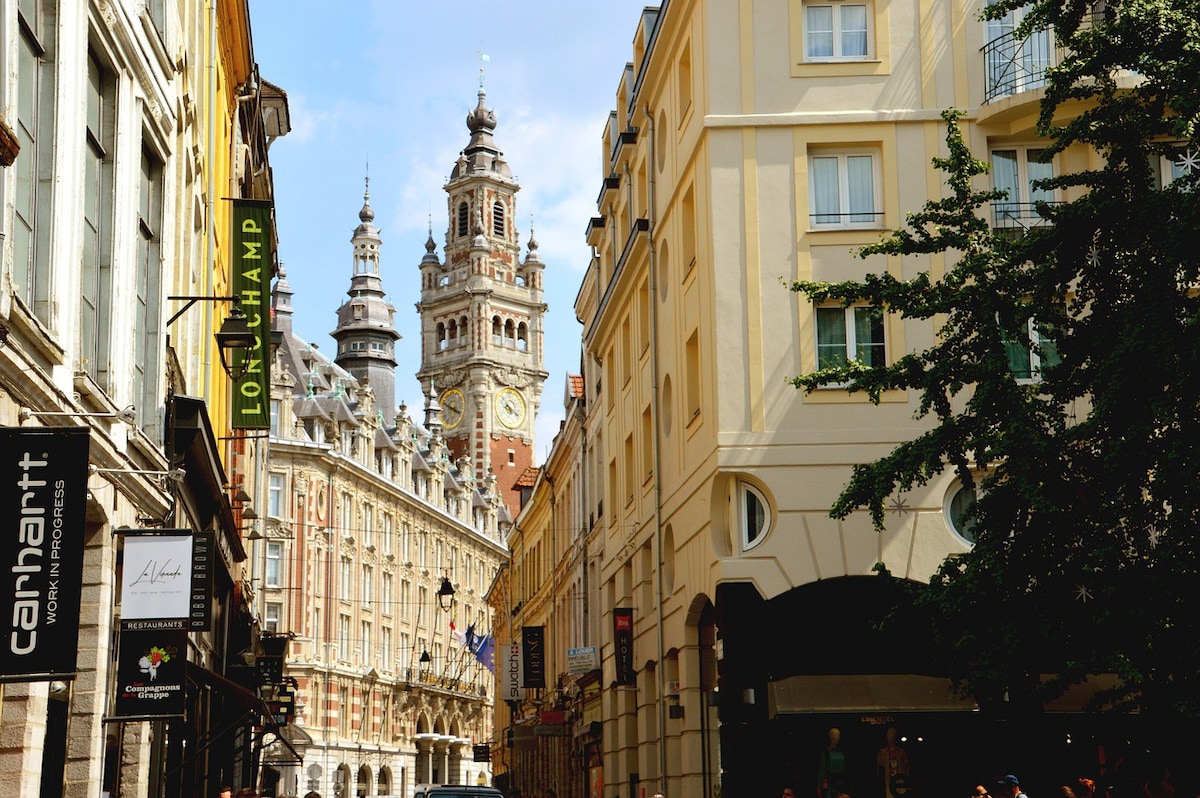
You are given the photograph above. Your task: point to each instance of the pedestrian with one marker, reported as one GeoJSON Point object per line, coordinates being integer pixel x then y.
{"type": "Point", "coordinates": [1009, 787]}
{"type": "Point", "coordinates": [247, 792]}
{"type": "Point", "coordinates": [225, 792]}
{"type": "Point", "coordinates": [312, 794]}
{"type": "Point", "coordinates": [789, 791]}
{"type": "Point", "coordinates": [549, 793]}
{"type": "Point", "coordinates": [980, 792]}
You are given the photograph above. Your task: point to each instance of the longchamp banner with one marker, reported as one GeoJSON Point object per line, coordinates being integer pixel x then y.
{"type": "Point", "coordinates": [252, 263]}
{"type": "Point", "coordinates": [43, 502]}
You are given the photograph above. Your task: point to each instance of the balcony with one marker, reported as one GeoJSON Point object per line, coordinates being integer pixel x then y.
{"type": "Point", "coordinates": [1014, 219]}
{"type": "Point", "coordinates": [1013, 65]}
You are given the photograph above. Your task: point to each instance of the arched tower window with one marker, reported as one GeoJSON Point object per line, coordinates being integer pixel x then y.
{"type": "Point", "coordinates": [522, 337]}
{"type": "Point", "coordinates": [452, 332]}
{"type": "Point", "coordinates": [464, 216]}
{"type": "Point", "coordinates": [462, 330]}
{"type": "Point", "coordinates": [498, 219]}
{"type": "Point", "coordinates": [496, 338]}
{"type": "Point", "coordinates": [510, 333]}
{"type": "Point", "coordinates": [441, 336]}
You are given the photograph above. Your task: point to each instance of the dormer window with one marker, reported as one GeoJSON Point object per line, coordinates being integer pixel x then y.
{"type": "Point", "coordinates": [464, 217]}
{"type": "Point", "coordinates": [359, 310]}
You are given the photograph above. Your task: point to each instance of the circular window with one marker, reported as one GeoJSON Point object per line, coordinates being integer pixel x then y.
{"type": "Point", "coordinates": [666, 409]}
{"type": "Point", "coordinates": [660, 144]}
{"type": "Point", "coordinates": [755, 520]}
{"type": "Point", "coordinates": [960, 506]}
{"type": "Point", "coordinates": [664, 271]}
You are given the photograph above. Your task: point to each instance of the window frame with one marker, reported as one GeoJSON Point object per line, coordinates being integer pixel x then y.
{"type": "Point", "coordinates": [844, 214]}
{"type": "Point", "coordinates": [1027, 196]}
{"type": "Point", "coordinates": [1036, 359]}
{"type": "Point", "coordinates": [837, 32]}
{"type": "Point", "coordinates": [746, 491]}
{"type": "Point", "coordinates": [273, 565]}
{"type": "Point", "coordinates": [949, 514]}
{"type": "Point", "coordinates": [850, 331]}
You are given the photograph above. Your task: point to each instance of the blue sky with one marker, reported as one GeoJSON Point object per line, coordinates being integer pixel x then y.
{"type": "Point", "coordinates": [390, 82]}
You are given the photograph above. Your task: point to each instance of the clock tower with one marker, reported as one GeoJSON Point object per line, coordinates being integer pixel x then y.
{"type": "Point", "coordinates": [481, 316]}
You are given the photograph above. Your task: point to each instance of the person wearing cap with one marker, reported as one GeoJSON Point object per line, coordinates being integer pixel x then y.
{"type": "Point", "coordinates": [1009, 787]}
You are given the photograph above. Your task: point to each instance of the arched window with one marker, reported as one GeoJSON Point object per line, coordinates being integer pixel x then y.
{"type": "Point", "coordinates": [452, 333]}
{"type": "Point", "coordinates": [522, 337]}
{"type": "Point", "coordinates": [496, 338]}
{"type": "Point", "coordinates": [510, 333]}
{"type": "Point", "coordinates": [441, 336]}
{"type": "Point", "coordinates": [463, 218]}
{"type": "Point", "coordinates": [462, 331]}
{"type": "Point", "coordinates": [498, 219]}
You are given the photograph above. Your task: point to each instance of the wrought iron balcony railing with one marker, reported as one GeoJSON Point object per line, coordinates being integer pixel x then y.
{"type": "Point", "coordinates": [1013, 65]}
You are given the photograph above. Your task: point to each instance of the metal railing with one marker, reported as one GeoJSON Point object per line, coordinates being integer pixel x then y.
{"type": "Point", "coordinates": [1013, 65]}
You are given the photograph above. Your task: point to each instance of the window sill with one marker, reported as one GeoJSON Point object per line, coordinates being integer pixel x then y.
{"type": "Point", "coordinates": [850, 67]}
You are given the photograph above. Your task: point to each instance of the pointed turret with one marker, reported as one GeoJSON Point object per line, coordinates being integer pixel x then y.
{"type": "Point", "coordinates": [366, 331]}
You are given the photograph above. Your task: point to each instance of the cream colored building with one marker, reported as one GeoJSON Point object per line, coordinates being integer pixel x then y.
{"type": "Point", "coordinates": [752, 143]}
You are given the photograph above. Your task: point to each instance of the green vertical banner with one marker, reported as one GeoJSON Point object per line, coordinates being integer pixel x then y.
{"type": "Point", "coordinates": [252, 260]}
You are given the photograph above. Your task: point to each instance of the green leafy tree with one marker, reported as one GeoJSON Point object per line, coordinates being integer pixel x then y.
{"type": "Point", "coordinates": [1087, 522]}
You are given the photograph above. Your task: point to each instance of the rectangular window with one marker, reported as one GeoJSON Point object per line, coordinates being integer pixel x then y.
{"type": "Point", "coordinates": [95, 307]}
{"type": "Point", "coordinates": [275, 496]}
{"type": "Point", "coordinates": [389, 530]}
{"type": "Point", "coordinates": [386, 598]}
{"type": "Point", "coordinates": [271, 615]}
{"type": "Point", "coordinates": [346, 579]}
{"type": "Point", "coordinates": [34, 168]}
{"type": "Point", "coordinates": [1026, 359]}
{"type": "Point", "coordinates": [385, 651]}
{"type": "Point", "coordinates": [1017, 171]}
{"type": "Point", "coordinates": [845, 334]}
{"type": "Point", "coordinates": [836, 32]}
{"type": "Point", "coordinates": [275, 407]}
{"type": "Point", "coordinates": [368, 530]}
{"type": "Point", "coordinates": [148, 293]}
{"type": "Point", "coordinates": [343, 636]}
{"type": "Point", "coordinates": [843, 190]}
{"type": "Point", "coordinates": [365, 642]}
{"type": "Point", "coordinates": [274, 575]}
{"type": "Point", "coordinates": [1014, 65]}
{"type": "Point", "coordinates": [367, 575]}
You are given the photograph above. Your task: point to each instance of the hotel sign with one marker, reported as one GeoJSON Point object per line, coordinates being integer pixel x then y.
{"type": "Point", "coordinates": [43, 502]}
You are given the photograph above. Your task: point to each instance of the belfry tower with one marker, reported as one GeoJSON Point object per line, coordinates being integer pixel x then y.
{"type": "Point", "coordinates": [366, 331]}
{"type": "Point", "coordinates": [481, 316]}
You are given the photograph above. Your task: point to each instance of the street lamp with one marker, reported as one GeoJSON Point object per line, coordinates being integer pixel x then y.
{"type": "Point", "coordinates": [445, 594]}
{"type": "Point", "coordinates": [234, 337]}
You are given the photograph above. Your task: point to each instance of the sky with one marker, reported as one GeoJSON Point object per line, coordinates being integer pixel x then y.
{"type": "Point", "coordinates": [383, 87]}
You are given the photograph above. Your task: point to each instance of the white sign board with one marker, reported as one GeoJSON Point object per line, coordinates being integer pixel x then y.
{"type": "Point", "coordinates": [512, 676]}
{"type": "Point", "coordinates": [156, 582]}
{"type": "Point", "coordinates": [582, 660]}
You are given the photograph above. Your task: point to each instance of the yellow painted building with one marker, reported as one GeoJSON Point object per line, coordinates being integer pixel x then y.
{"type": "Point", "coordinates": [136, 122]}
{"type": "Point", "coordinates": [753, 143]}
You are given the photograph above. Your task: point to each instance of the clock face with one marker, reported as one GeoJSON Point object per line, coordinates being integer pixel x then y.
{"type": "Point", "coordinates": [510, 408]}
{"type": "Point", "coordinates": [452, 408]}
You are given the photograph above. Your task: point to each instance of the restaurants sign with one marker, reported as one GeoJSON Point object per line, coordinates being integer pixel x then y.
{"type": "Point", "coordinates": [43, 502]}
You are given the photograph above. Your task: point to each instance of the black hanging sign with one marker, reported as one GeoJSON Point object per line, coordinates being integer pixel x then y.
{"type": "Point", "coordinates": [43, 502]}
{"type": "Point", "coordinates": [533, 653]}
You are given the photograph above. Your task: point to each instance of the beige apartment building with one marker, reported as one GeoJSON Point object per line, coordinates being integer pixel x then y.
{"type": "Point", "coordinates": [753, 143]}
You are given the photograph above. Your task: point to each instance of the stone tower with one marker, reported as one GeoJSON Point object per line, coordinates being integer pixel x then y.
{"type": "Point", "coordinates": [366, 332]}
{"type": "Point", "coordinates": [481, 316]}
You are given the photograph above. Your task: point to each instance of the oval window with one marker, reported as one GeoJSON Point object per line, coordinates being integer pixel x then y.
{"type": "Point", "coordinates": [960, 511]}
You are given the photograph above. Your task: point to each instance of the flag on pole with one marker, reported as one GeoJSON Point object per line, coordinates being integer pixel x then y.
{"type": "Point", "coordinates": [461, 637]}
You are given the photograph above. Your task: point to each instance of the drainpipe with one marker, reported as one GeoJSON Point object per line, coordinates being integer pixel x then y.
{"type": "Point", "coordinates": [654, 415]}
{"type": "Point", "coordinates": [210, 227]}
